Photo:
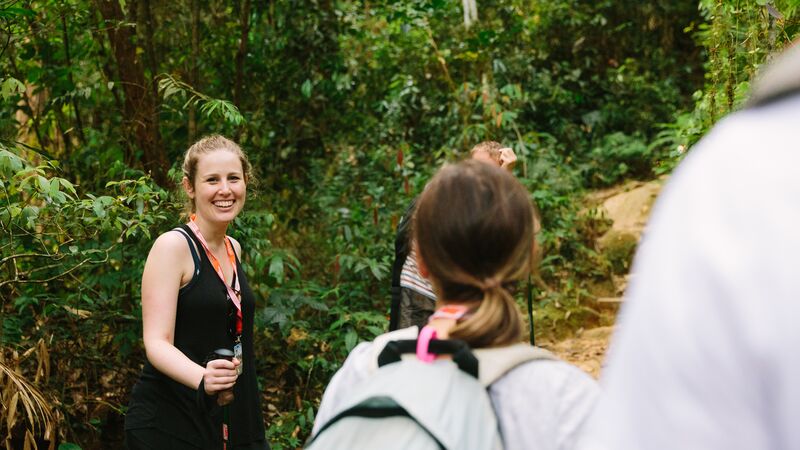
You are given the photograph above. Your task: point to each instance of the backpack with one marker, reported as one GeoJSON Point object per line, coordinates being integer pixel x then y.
{"type": "Point", "coordinates": [408, 404]}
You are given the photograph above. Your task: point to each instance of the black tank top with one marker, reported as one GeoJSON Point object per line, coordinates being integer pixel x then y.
{"type": "Point", "coordinates": [201, 326]}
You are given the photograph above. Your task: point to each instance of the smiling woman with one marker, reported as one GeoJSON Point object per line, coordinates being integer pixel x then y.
{"type": "Point", "coordinates": [217, 191]}
{"type": "Point", "coordinates": [197, 308]}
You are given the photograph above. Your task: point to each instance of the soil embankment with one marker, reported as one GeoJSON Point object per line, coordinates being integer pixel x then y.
{"type": "Point", "coordinates": [627, 207]}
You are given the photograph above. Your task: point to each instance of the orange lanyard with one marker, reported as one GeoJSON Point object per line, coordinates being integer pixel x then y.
{"type": "Point", "coordinates": [233, 292]}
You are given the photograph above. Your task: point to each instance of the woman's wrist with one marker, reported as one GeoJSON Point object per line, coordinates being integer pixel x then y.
{"type": "Point", "coordinates": [205, 401]}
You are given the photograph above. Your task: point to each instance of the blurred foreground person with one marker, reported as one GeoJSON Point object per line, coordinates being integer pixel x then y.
{"type": "Point", "coordinates": [706, 355]}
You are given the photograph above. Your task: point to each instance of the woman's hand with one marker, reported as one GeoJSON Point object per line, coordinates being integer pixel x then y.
{"type": "Point", "coordinates": [219, 377]}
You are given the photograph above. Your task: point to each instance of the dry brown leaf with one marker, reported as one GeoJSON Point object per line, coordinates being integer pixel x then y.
{"type": "Point", "coordinates": [37, 409]}
{"type": "Point", "coordinates": [44, 360]}
{"type": "Point", "coordinates": [11, 418]}
{"type": "Point", "coordinates": [82, 313]}
{"type": "Point", "coordinates": [30, 442]}
{"type": "Point", "coordinates": [26, 353]}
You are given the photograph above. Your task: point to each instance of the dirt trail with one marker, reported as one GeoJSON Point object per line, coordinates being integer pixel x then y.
{"type": "Point", "coordinates": [586, 350]}
{"type": "Point", "coordinates": [628, 208]}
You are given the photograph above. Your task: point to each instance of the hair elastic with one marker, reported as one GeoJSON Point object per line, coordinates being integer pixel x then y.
{"type": "Point", "coordinates": [492, 283]}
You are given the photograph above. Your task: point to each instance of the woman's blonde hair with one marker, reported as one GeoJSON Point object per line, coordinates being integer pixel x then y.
{"type": "Point", "coordinates": [206, 145]}
{"type": "Point", "coordinates": [474, 227]}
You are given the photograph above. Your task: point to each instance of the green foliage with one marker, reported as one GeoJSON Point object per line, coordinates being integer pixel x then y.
{"type": "Point", "coordinates": [169, 87]}
{"type": "Point", "coordinates": [346, 109]}
{"type": "Point", "coordinates": [616, 157]}
{"type": "Point", "coordinates": [738, 38]}
{"type": "Point", "coordinates": [67, 257]}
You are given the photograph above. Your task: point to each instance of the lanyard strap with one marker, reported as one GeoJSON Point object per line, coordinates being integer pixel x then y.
{"type": "Point", "coordinates": [232, 291]}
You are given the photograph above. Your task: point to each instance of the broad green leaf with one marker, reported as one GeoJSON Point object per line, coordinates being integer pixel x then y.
{"type": "Point", "coordinates": [276, 268]}
{"type": "Point", "coordinates": [99, 210]}
{"type": "Point", "coordinates": [9, 13]}
{"type": "Point", "coordinates": [53, 190]}
{"type": "Point", "coordinates": [44, 185]}
{"type": "Point", "coordinates": [10, 163]}
{"type": "Point", "coordinates": [350, 339]}
{"type": "Point", "coordinates": [68, 186]}
{"type": "Point", "coordinates": [305, 89]}
{"type": "Point", "coordinates": [69, 446]}
{"type": "Point", "coordinates": [373, 267]}
{"type": "Point", "coordinates": [11, 87]}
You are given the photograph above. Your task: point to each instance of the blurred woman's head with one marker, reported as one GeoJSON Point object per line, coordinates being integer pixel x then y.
{"type": "Point", "coordinates": [474, 227]}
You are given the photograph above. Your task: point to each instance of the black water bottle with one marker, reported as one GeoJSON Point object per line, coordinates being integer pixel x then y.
{"type": "Point", "coordinates": [223, 353]}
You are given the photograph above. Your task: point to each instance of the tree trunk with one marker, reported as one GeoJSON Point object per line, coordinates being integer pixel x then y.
{"type": "Point", "coordinates": [244, 26]}
{"type": "Point", "coordinates": [194, 78]}
{"type": "Point", "coordinates": [74, 100]}
{"type": "Point", "coordinates": [151, 56]}
{"type": "Point", "coordinates": [140, 110]}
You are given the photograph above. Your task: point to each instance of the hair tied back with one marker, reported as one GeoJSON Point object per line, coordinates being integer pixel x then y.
{"type": "Point", "coordinates": [491, 283]}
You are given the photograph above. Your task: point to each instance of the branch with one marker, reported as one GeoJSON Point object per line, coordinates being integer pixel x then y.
{"type": "Point", "coordinates": [440, 58]}
{"type": "Point", "coordinates": [17, 279]}
{"type": "Point", "coordinates": [7, 30]}
{"type": "Point", "coordinates": [31, 255]}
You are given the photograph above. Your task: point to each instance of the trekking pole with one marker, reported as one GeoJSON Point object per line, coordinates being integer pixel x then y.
{"type": "Point", "coordinates": [224, 353]}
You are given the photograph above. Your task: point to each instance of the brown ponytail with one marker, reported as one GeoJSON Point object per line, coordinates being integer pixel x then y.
{"type": "Point", "coordinates": [474, 228]}
{"type": "Point", "coordinates": [496, 322]}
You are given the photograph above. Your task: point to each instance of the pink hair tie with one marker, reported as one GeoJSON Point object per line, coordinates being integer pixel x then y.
{"type": "Point", "coordinates": [427, 334]}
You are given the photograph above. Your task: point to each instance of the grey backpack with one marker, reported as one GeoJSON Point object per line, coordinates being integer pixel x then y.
{"type": "Point", "coordinates": [409, 404]}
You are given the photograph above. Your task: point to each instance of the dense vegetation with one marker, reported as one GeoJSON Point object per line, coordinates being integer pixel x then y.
{"type": "Point", "coordinates": [346, 108]}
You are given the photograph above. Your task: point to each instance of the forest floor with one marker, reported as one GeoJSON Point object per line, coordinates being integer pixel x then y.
{"type": "Point", "coordinates": [587, 349]}
{"type": "Point", "coordinates": [627, 207]}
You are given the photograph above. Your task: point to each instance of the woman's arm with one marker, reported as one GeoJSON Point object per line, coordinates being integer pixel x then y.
{"type": "Point", "coordinates": [164, 270]}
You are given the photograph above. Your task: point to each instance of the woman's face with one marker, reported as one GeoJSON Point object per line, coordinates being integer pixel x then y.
{"type": "Point", "coordinates": [219, 189]}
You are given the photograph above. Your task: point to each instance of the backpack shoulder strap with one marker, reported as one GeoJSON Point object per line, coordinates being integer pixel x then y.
{"type": "Point", "coordinates": [494, 363]}
{"type": "Point", "coordinates": [379, 343]}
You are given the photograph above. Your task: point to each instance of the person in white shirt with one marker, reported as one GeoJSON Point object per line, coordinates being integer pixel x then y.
{"type": "Point", "coordinates": [706, 354]}
{"type": "Point", "coordinates": [474, 237]}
